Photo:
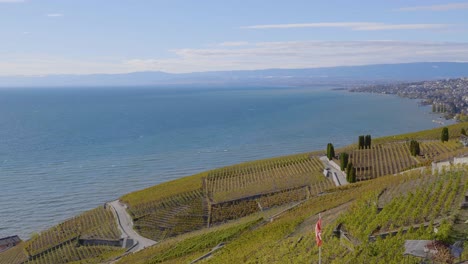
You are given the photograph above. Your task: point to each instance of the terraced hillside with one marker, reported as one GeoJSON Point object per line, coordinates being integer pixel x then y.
{"type": "Point", "coordinates": [407, 206]}
{"type": "Point", "coordinates": [390, 158]}
{"type": "Point", "coordinates": [171, 216]}
{"type": "Point", "coordinates": [376, 216]}
{"type": "Point", "coordinates": [269, 176]}
{"type": "Point", "coordinates": [61, 242]}
{"type": "Point", "coordinates": [230, 193]}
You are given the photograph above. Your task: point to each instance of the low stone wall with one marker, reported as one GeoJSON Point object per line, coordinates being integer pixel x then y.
{"type": "Point", "coordinates": [101, 242]}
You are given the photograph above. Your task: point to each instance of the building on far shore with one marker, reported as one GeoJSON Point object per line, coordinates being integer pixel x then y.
{"type": "Point", "coordinates": [9, 242]}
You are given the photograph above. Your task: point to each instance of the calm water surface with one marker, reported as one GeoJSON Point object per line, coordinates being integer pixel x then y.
{"type": "Point", "coordinates": [63, 151]}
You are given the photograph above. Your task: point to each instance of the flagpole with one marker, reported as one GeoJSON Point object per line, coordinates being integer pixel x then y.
{"type": "Point", "coordinates": [320, 247]}
{"type": "Point", "coordinates": [320, 255]}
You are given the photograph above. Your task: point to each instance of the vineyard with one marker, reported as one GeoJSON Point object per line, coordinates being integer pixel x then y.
{"type": "Point", "coordinates": [60, 242]}
{"type": "Point", "coordinates": [411, 205]}
{"type": "Point", "coordinates": [391, 158]}
{"type": "Point", "coordinates": [266, 177]}
{"type": "Point", "coordinates": [230, 193]}
{"type": "Point", "coordinates": [71, 252]}
{"type": "Point", "coordinates": [170, 217]}
{"type": "Point", "coordinates": [373, 218]}
{"type": "Point", "coordinates": [13, 255]}
{"type": "Point", "coordinates": [97, 223]}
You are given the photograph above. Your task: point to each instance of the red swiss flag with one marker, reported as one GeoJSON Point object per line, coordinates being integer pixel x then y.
{"type": "Point", "coordinates": [318, 232]}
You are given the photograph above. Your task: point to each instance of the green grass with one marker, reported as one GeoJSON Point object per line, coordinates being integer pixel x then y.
{"type": "Point", "coordinates": [430, 134]}
{"type": "Point", "coordinates": [164, 190]}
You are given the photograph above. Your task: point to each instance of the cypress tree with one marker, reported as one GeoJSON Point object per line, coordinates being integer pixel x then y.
{"type": "Point", "coordinates": [332, 152]}
{"type": "Point", "coordinates": [445, 134]}
{"type": "Point", "coordinates": [329, 151]}
{"type": "Point", "coordinates": [349, 168]}
{"type": "Point", "coordinates": [352, 177]}
{"type": "Point", "coordinates": [344, 158]}
{"type": "Point", "coordinates": [414, 148]}
{"type": "Point", "coordinates": [367, 141]}
{"type": "Point", "coordinates": [361, 142]}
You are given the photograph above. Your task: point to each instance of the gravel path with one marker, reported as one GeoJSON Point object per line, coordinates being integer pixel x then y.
{"type": "Point", "coordinates": [126, 227]}
{"type": "Point", "coordinates": [339, 178]}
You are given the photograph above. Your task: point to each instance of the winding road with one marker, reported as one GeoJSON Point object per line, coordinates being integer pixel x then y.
{"type": "Point", "coordinates": [125, 224]}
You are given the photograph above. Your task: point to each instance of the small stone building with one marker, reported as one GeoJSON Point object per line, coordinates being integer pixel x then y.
{"type": "Point", "coordinates": [464, 140]}
{"type": "Point", "coordinates": [9, 242]}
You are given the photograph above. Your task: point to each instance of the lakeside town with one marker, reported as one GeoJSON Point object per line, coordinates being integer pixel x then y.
{"type": "Point", "coordinates": [449, 96]}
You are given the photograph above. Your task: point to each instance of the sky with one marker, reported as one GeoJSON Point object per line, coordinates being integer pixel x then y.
{"type": "Point", "coordinates": [43, 37]}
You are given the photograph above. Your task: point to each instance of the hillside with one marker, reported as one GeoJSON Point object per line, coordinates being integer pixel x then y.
{"type": "Point", "coordinates": [264, 211]}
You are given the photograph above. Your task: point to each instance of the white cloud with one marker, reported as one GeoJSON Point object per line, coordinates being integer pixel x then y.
{"type": "Point", "coordinates": [261, 55]}
{"type": "Point", "coordinates": [444, 7]}
{"type": "Point", "coordinates": [304, 54]}
{"type": "Point", "coordinates": [55, 15]}
{"type": "Point", "coordinates": [11, 1]}
{"type": "Point", "coordinates": [357, 26]}
{"type": "Point", "coordinates": [233, 43]}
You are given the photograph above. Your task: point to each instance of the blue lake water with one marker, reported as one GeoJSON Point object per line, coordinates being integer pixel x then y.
{"type": "Point", "coordinates": [64, 151]}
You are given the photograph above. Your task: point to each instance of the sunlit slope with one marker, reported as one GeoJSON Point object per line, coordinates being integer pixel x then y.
{"type": "Point", "coordinates": [61, 243]}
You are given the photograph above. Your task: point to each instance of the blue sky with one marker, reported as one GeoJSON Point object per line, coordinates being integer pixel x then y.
{"type": "Point", "coordinates": [40, 37]}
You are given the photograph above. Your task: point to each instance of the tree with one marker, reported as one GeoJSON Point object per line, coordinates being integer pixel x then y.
{"type": "Point", "coordinates": [352, 177]}
{"type": "Point", "coordinates": [463, 132]}
{"type": "Point", "coordinates": [367, 141]}
{"type": "Point", "coordinates": [330, 151]}
{"type": "Point", "coordinates": [414, 148]}
{"type": "Point", "coordinates": [445, 134]}
{"type": "Point", "coordinates": [344, 158]}
{"type": "Point", "coordinates": [349, 168]}
{"type": "Point", "coordinates": [361, 142]}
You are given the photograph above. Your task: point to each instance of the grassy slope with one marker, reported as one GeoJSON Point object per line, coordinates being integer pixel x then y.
{"type": "Point", "coordinates": [454, 133]}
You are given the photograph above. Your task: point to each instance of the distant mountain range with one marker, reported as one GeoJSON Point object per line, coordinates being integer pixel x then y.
{"type": "Point", "coordinates": [344, 74]}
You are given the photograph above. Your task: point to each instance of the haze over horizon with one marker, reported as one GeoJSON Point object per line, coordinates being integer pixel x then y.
{"type": "Point", "coordinates": [90, 37]}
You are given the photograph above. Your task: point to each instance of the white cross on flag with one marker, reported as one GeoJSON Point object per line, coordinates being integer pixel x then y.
{"type": "Point", "coordinates": [318, 232]}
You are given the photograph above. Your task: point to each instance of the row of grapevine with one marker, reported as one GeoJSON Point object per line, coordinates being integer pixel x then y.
{"type": "Point", "coordinates": [262, 165]}
{"type": "Point", "coordinates": [391, 158]}
{"type": "Point", "coordinates": [144, 209]}
{"type": "Point", "coordinates": [381, 160]}
{"type": "Point", "coordinates": [13, 255]}
{"type": "Point", "coordinates": [431, 149]}
{"type": "Point", "coordinates": [96, 223]}
{"type": "Point", "coordinates": [170, 217]}
{"type": "Point", "coordinates": [265, 178]}
{"type": "Point", "coordinates": [234, 209]}
{"type": "Point", "coordinates": [409, 196]}
{"type": "Point", "coordinates": [70, 252]}
{"type": "Point", "coordinates": [429, 201]}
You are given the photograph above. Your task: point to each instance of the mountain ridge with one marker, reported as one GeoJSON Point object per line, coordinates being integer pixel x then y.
{"type": "Point", "coordinates": [372, 73]}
